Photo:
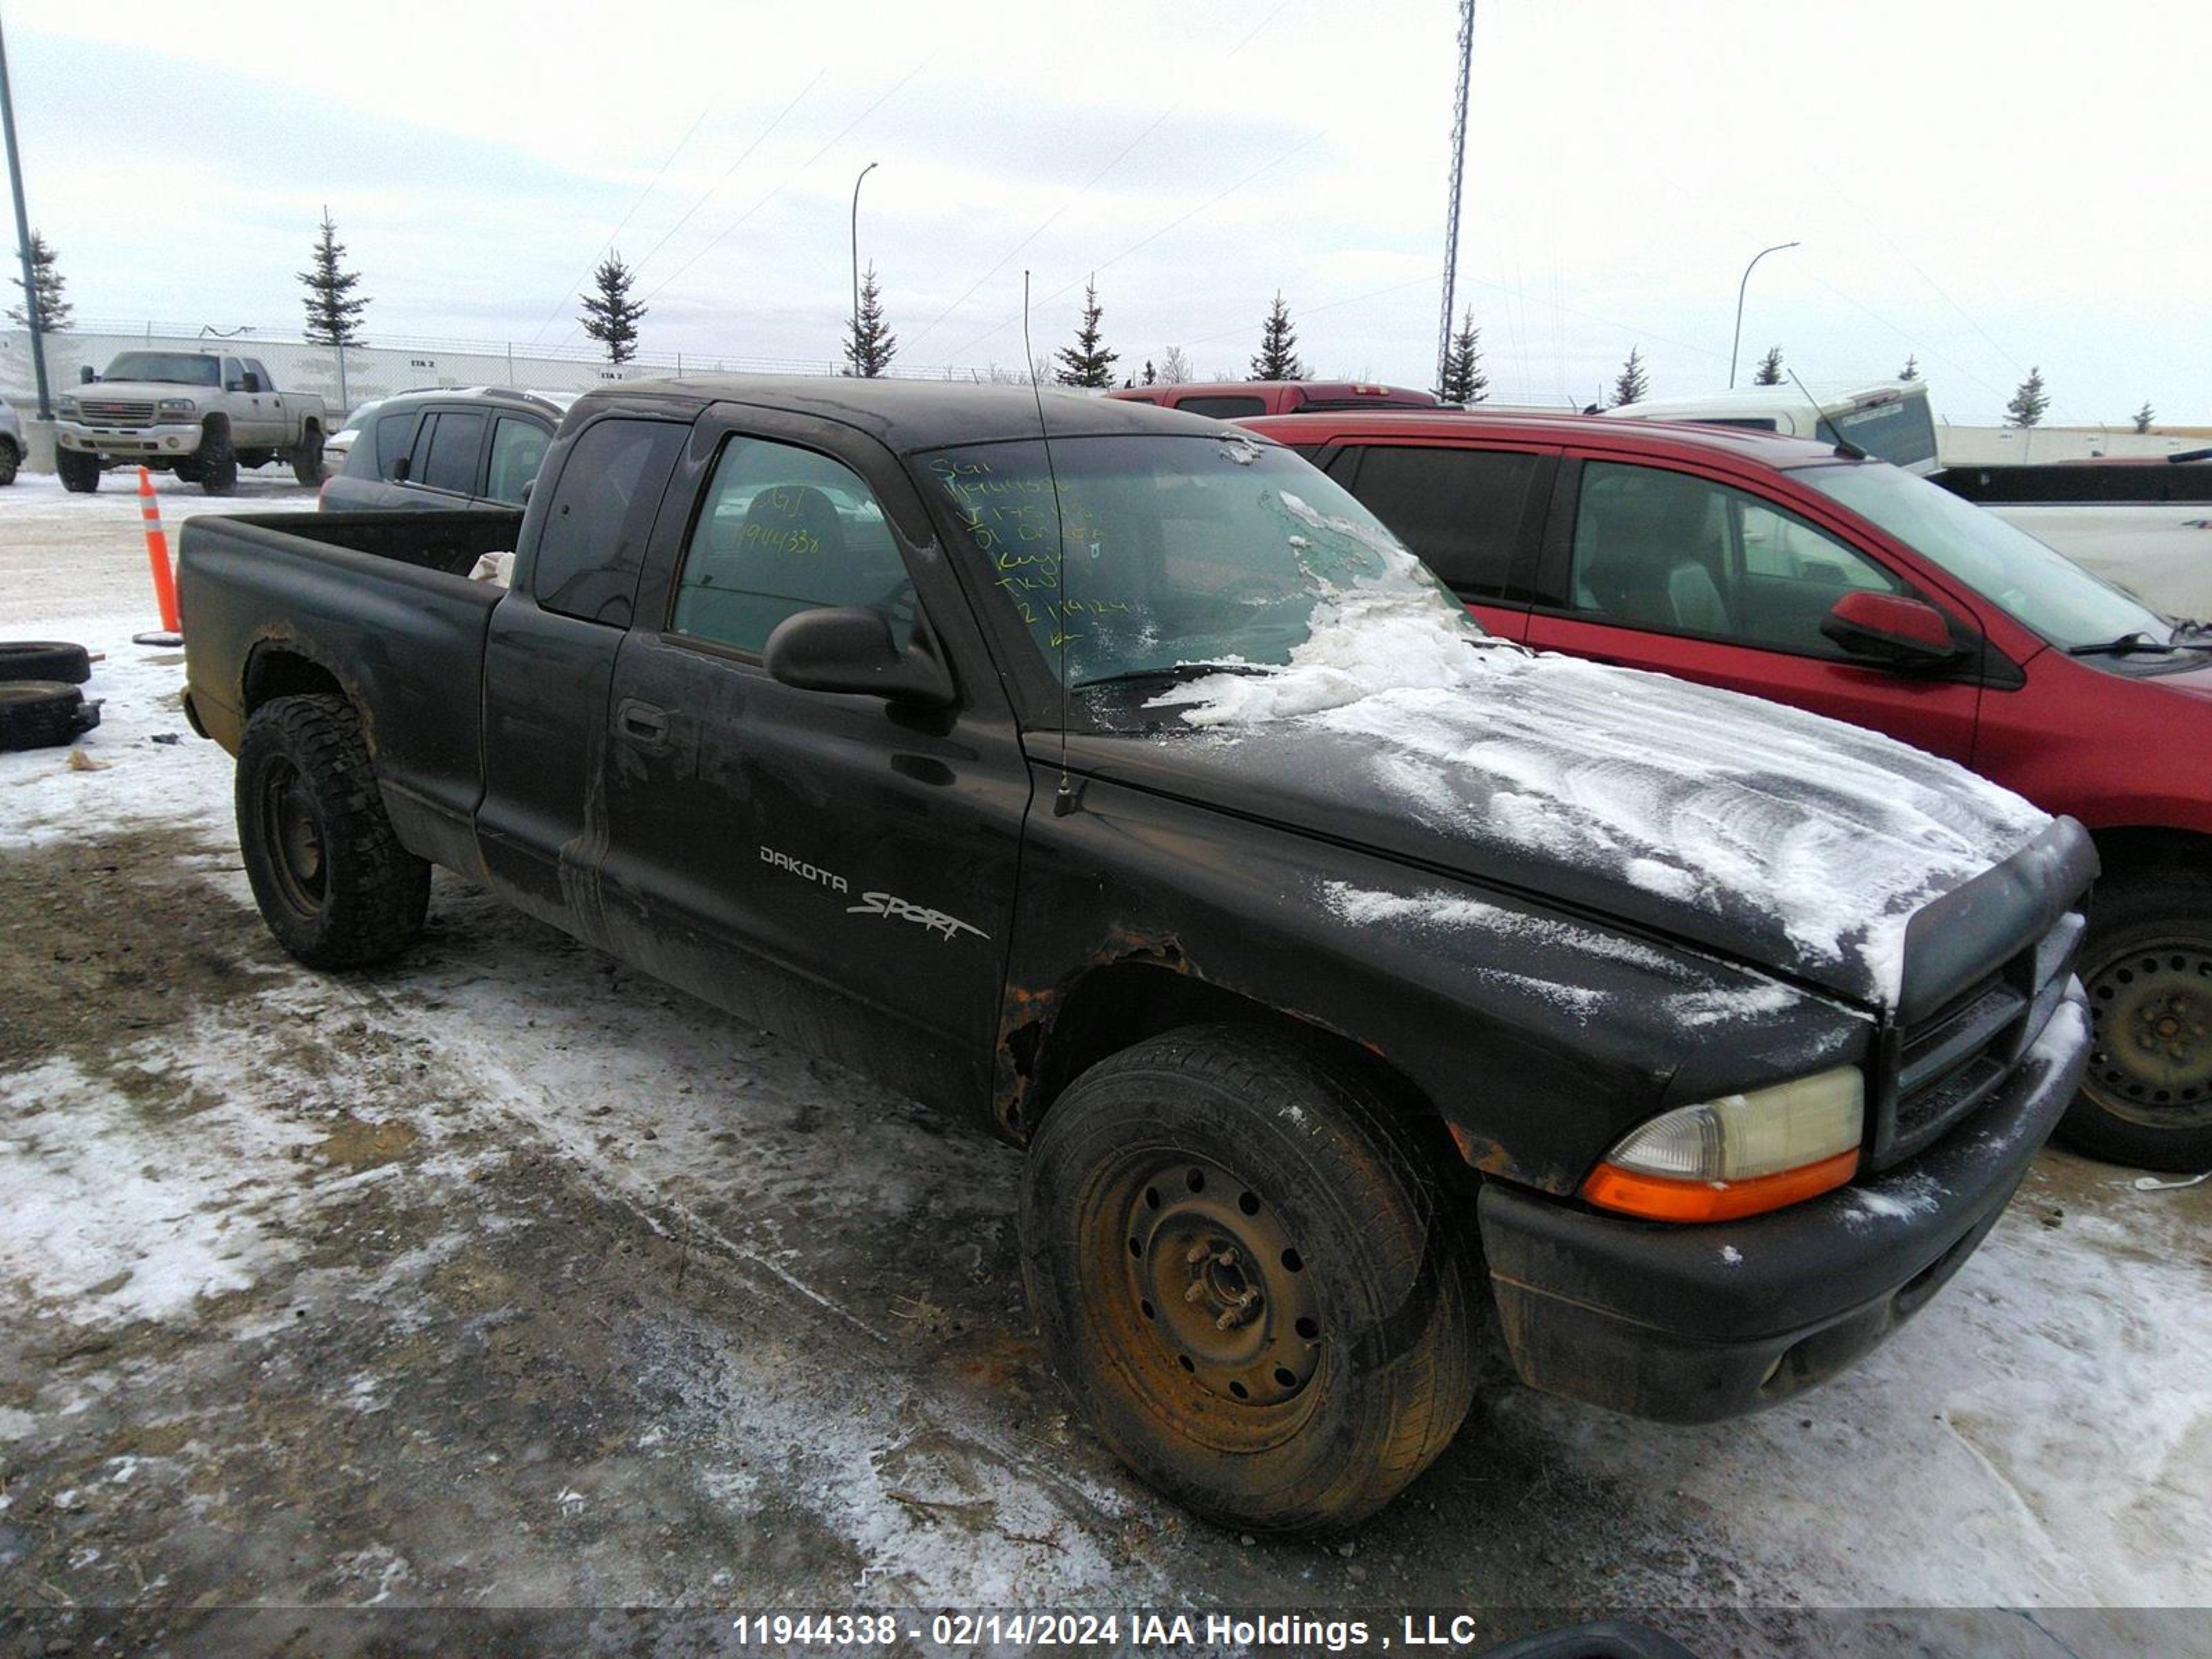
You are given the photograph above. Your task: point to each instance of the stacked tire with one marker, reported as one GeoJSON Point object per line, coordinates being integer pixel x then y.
{"type": "Point", "coordinates": [42, 706]}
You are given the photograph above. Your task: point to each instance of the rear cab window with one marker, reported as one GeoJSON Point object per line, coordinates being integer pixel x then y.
{"type": "Point", "coordinates": [591, 545]}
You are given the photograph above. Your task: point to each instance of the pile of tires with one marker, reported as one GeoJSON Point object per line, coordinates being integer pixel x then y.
{"type": "Point", "coordinates": [42, 706]}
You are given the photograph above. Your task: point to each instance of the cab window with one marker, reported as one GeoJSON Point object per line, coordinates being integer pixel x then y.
{"type": "Point", "coordinates": [518, 446]}
{"type": "Point", "coordinates": [1222, 406]}
{"type": "Point", "coordinates": [592, 544]}
{"type": "Point", "coordinates": [446, 450]}
{"type": "Point", "coordinates": [1672, 553]}
{"type": "Point", "coordinates": [785, 529]}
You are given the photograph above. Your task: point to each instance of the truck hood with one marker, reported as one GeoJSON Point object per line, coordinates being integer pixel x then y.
{"type": "Point", "coordinates": [1755, 830]}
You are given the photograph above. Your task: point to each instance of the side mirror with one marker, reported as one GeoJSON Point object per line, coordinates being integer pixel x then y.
{"type": "Point", "coordinates": [1891, 628]}
{"type": "Point", "coordinates": [528, 484]}
{"type": "Point", "coordinates": [850, 649]}
{"type": "Point", "coordinates": [84, 375]}
{"type": "Point", "coordinates": [399, 471]}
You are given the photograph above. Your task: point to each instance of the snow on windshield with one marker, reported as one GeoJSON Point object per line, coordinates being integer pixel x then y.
{"type": "Point", "coordinates": [1698, 795]}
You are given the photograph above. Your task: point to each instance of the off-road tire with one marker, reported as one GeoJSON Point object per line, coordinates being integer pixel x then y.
{"type": "Point", "coordinates": [307, 459]}
{"type": "Point", "coordinates": [45, 660]}
{"type": "Point", "coordinates": [43, 714]}
{"type": "Point", "coordinates": [217, 462]}
{"type": "Point", "coordinates": [186, 469]}
{"type": "Point", "coordinates": [10, 458]}
{"type": "Point", "coordinates": [1352, 1366]}
{"type": "Point", "coordinates": [79, 471]}
{"type": "Point", "coordinates": [2147, 965]}
{"type": "Point", "coordinates": [334, 884]}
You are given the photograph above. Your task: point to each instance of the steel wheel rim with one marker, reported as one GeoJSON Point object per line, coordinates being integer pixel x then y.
{"type": "Point", "coordinates": [292, 831]}
{"type": "Point", "coordinates": [1215, 1318]}
{"type": "Point", "coordinates": [2150, 1016]}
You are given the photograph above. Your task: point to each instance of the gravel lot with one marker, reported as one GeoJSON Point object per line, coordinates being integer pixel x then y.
{"type": "Point", "coordinates": [508, 1279]}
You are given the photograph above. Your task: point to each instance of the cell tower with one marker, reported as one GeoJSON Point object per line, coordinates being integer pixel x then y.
{"type": "Point", "coordinates": [1458, 170]}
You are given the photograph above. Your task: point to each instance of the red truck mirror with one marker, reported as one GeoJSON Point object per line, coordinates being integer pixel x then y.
{"type": "Point", "coordinates": [1891, 628]}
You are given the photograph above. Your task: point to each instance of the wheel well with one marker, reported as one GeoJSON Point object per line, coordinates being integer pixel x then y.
{"type": "Point", "coordinates": [1119, 1005]}
{"type": "Point", "coordinates": [2133, 849]}
{"type": "Point", "coordinates": [275, 673]}
{"type": "Point", "coordinates": [217, 423]}
{"type": "Point", "coordinates": [311, 428]}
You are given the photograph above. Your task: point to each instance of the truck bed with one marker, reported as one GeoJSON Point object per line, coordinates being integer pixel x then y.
{"type": "Point", "coordinates": [374, 604]}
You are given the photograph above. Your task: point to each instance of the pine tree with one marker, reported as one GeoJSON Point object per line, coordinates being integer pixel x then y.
{"type": "Point", "coordinates": [870, 345]}
{"type": "Point", "coordinates": [1770, 368]}
{"type": "Point", "coordinates": [1175, 366]}
{"type": "Point", "coordinates": [333, 310]}
{"type": "Point", "coordinates": [1087, 363]}
{"type": "Point", "coordinates": [611, 316]}
{"type": "Point", "coordinates": [1464, 382]}
{"type": "Point", "coordinates": [1911, 371]}
{"type": "Point", "coordinates": [53, 310]}
{"type": "Point", "coordinates": [2144, 416]}
{"type": "Point", "coordinates": [1633, 384]}
{"type": "Point", "coordinates": [2029, 402]}
{"type": "Point", "coordinates": [1279, 347]}
{"type": "Point", "coordinates": [1148, 372]}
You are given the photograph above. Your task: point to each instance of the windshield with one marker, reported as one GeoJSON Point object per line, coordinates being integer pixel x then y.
{"type": "Point", "coordinates": [2037, 584]}
{"type": "Point", "coordinates": [177, 367]}
{"type": "Point", "coordinates": [1180, 552]}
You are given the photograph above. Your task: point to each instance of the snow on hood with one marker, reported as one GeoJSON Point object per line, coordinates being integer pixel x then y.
{"type": "Point", "coordinates": [1709, 801]}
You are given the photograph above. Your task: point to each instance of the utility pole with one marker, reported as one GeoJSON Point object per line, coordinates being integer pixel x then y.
{"type": "Point", "coordinates": [1458, 170]}
{"type": "Point", "coordinates": [23, 237]}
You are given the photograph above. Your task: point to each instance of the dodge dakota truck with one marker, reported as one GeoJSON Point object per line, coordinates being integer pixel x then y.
{"type": "Point", "coordinates": [1116, 779]}
{"type": "Point", "coordinates": [201, 415]}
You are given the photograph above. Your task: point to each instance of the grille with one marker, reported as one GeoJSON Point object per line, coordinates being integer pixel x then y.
{"type": "Point", "coordinates": [116, 411]}
{"type": "Point", "coordinates": [1953, 1061]}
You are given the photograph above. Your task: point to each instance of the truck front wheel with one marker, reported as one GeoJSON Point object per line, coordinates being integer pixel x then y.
{"type": "Point", "coordinates": [1244, 1278]}
{"type": "Point", "coordinates": [217, 462]}
{"type": "Point", "coordinates": [79, 471]}
{"type": "Point", "coordinates": [2148, 969]}
{"type": "Point", "coordinates": [334, 884]}
{"type": "Point", "coordinates": [10, 460]}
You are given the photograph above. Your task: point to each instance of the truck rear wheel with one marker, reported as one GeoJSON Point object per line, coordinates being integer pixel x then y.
{"type": "Point", "coordinates": [79, 471]}
{"type": "Point", "coordinates": [218, 462]}
{"type": "Point", "coordinates": [1244, 1278]}
{"type": "Point", "coordinates": [334, 884]}
{"type": "Point", "coordinates": [307, 459]}
{"type": "Point", "coordinates": [2148, 969]}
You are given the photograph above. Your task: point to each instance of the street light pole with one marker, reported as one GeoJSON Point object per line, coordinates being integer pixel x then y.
{"type": "Point", "coordinates": [23, 240]}
{"type": "Point", "coordinates": [864, 172]}
{"type": "Point", "coordinates": [1736, 343]}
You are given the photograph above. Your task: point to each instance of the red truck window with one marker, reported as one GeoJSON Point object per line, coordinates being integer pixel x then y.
{"type": "Point", "coordinates": [1223, 406]}
{"type": "Point", "coordinates": [1674, 553]}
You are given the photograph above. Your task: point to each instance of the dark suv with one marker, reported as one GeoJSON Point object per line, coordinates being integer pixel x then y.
{"type": "Point", "coordinates": [456, 446]}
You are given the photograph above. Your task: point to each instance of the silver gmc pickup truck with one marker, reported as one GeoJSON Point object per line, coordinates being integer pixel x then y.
{"type": "Point", "coordinates": [199, 414]}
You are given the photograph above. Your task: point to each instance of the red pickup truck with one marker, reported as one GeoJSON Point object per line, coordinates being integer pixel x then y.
{"type": "Point", "coordinates": [1810, 575]}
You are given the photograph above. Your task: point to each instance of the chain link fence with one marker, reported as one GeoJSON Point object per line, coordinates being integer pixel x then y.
{"type": "Point", "coordinates": [392, 363]}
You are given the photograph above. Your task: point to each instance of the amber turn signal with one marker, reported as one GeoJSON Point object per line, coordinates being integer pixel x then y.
{"type": "Point", "coordinates": [1657, 1197]}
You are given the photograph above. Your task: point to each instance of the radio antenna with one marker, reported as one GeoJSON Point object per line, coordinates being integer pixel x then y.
{"type": "Point", "coordinates": [1063, 800]}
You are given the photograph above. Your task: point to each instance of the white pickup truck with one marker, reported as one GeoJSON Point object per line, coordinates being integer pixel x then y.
{"type": "Point", "coordinates": [201, 415]}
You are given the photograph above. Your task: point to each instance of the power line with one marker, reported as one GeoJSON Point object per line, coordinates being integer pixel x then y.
{"type": "Point", "coordinates": [759, 138]}
{"type": "Point", "coordinates": [895, 88]}
{"type": "Point", "coordinates": [562, 304]}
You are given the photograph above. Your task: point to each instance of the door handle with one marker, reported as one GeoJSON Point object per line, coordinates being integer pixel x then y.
{"type": "Point", "coordinates": [642, 723]}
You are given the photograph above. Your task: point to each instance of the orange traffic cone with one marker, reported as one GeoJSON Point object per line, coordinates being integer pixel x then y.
{"type": "Point", "coordinates": [157, 555]}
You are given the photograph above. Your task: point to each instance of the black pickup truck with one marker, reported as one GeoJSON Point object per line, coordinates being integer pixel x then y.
{"type": "Point", "coordinates": [1119, 781]}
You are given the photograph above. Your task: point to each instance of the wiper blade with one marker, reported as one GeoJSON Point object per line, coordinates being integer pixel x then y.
{"type": "Point", "coordinates": [1172, 672]}
{"type": "Point", "coordinates": [2136, 644]}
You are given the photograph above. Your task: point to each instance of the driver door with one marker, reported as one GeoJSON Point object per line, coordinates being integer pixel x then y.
{"type": "Point", "coordinates": [837, 868]}
{"type": "Point", "coordinates": [1659, 568]}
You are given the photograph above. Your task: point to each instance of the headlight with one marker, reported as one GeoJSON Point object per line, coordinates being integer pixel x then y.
{"type": "Point", "coordinates": [65, 404]}
{"type": "Point", "coordinates": [177, 405]}
{"type": "Point", "coordinates": [1739, 1154]}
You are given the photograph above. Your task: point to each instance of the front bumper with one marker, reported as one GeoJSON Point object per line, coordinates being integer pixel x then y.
{"type": "Point", "coordinates": [1694, 1324]}
{"type": "Point", "coordinates": [142, 442]}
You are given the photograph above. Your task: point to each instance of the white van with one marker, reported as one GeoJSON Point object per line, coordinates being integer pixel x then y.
{"type": "Point", "coordinates": [1888, 419]}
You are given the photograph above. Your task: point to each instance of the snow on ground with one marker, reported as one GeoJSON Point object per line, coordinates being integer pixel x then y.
{"type": "Point", "coordinates": [508, 1276]}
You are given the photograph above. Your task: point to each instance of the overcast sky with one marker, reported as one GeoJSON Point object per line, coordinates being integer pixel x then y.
{"type": "Point", "coordinates": [1987, 187]}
